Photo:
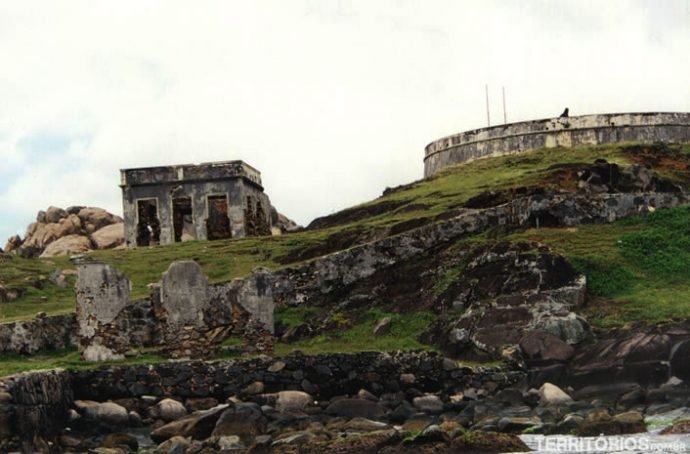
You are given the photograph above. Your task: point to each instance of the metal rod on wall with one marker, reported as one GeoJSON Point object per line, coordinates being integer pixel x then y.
{"type": "Point", "coordinates": [505, 117]}
{"type": "Point", "coordinates": [488, 118]}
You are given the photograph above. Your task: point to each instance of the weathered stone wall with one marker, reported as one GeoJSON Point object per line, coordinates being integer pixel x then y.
{"type": "Point", "coordinates": [33, 409]}
{"type": "Point", "coordinates": [235, 180]}
{"type": "Point", "coordinates": [41, 333]}
{"type": "Point", "coordinates": [323, 376]}
{"type": "Point", "coordinates": [102, 293]}
{"type": "Point", "coordinates": [185, 316]}
{"type": "Point", "coordinates": [556, 132]}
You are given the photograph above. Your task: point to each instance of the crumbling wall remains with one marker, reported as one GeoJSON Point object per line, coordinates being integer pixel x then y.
{"type": "Point", "coordinates": [34, 409]}
{"type": "Point", "coordinates": [102, 293]}
{"type": "Point", "coordinates": [40, 333]}
{"type": "Point", "coordinates": [184, 317]}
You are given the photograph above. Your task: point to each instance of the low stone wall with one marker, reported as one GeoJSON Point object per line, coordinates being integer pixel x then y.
{"type": "Point", "coordinates": [322, 376]}
{"type": "Point", "coordinates": [34, 409]}
{"type": "Point", "coordinates": [34, 406]}
{"type": "Point", "coordinates": [41, 333]}
{"type": "Point", "coordinates": [556, 132]}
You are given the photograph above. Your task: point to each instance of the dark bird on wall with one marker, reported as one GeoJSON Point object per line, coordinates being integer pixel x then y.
{"type": "Point", "coordinates": [564, 114]}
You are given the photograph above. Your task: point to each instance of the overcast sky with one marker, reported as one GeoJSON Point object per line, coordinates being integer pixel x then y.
{"type": "Point", "coordinates": [331, 100]}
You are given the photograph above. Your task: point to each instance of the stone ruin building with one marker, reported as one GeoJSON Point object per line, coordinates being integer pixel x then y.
{"type": "Point", "coordinates": [210, 201]}
{"type": "Point", "coordinates": [185, 316]}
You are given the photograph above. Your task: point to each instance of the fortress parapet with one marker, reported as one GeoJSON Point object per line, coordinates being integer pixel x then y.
{"type": "Point", "coordinates": [556, 132]}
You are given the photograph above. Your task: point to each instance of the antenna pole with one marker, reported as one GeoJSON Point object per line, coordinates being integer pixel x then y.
{"type": "Point", "coordinates": [505, 118]}
{"type": "Point", "coordinates": [488, 118]}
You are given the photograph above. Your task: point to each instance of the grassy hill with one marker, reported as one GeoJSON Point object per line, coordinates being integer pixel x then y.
{"type": "Point", "coordinates": [637, 268]}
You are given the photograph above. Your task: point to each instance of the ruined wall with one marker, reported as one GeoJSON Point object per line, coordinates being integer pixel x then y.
{"type": "Point", "coordinates": [556, 132]}
{"type": "Point", "coordinates": [40, 333]}
{"type": "Point", "coordinates": [185, 316]}
{"type": "Point", "coordinates": [323, 375]}
{"type": "Point", "coordinates": [33, 409]}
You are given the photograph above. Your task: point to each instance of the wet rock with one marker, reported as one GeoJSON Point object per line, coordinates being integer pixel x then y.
{"type": "Point", "coordinates": [417, 422]}
{"type": "Point", "coordinates": [428, 404]}
{"type": "Point", "coordinates": [276, 366]}
{"type": "Point", "coordinates": [518, 423]}
{"type": "Point", "coordinates": [168, 410]}
{"type": "Point", "coordinates": [364, 394]}
{"type": "Point", "coordinates": [365, 425]}
{"type": "Point", "coordinates": [569, 423]}
{"type": "Point", "coordinates": [230, 442]}
{"type": "Point", "coordinates": [432, 433]}
{"type": "Point", "coordinates": [245, 420]}
{"type": "Point", "coordinates": [681, 426]}
{"type": "Point", "coordinates": [542, 346]}
{"type": "Point", "coordinates": [200, 403]}
{"type": "Point", "coordinates": [487, 442]}
{"type": "Point", "coordinates": [290, 401]}
{"type": "Point", "coordinates": [198, 426]}
{"type": "Point", "coordinates": [256, 387]}
{"type": "Point", "coordinates": [134, 419]}
{"type": "Point", "coordinates": [352, 408]}
{"type": "Point", "coordinates": [174, 445]}
{"type": "Point", "coordinates": [120, 440]}
{"type": "Point", "coordinates": [402, 412]}
{"type": "Point", "coordinates": [107, 412]}
{"type": "Point", "coordinates": [550, 394]}
{"type": "Point", "coordinates": [407, 379]}
{"type": "Point", "coordinates": [297, 438]}
{"type": "Point", "coordinates": [600, 422]}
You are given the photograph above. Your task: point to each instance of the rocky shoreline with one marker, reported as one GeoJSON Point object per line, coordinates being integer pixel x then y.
{"type": "Point", "coordinates": [360, 402]}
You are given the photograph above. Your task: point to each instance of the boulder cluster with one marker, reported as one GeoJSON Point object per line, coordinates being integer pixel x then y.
{"type": "Point", "coordinates": [405, 421]}
{"type": "Point", "coordinates": [73, 230]}
{"type": "Point", "coordinates": [285, 421]}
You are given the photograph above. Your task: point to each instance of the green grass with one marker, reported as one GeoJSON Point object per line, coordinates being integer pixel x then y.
{"type": "Point", "coordinates": [292, 316]}
{"type": "Point", "coordinates": [66, 358]}
{"type": "Point", "coordinates": [637, 268]}
{"type": "Point", "coordinates": [404, 330]}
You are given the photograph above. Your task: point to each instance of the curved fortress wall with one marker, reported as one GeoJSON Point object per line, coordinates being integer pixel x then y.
{"type": "Point", "coordinates": [556, 132]}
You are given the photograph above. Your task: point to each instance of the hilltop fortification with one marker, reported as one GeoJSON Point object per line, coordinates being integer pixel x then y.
{"type": "Point", "coordinates": [556, 132]}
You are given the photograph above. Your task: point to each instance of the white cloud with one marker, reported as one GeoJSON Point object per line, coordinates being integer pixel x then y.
{"type": "Point", "coordinates": [332, 101]}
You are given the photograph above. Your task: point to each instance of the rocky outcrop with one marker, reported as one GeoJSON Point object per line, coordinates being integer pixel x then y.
{"type": "Point", "coordinates": [67, 245]}
{"type": "Point", "coordinates": [524, 288]}
{"type": "Point", "coordinates": [645, 355]}
{"type": "Point", "coordinates": [282, 224]}
{"type": "Point", "coordinates": [68, 231]}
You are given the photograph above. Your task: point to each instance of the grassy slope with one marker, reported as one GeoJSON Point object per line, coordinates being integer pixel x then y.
{"type": "Point", "coordinates": [637, 269]}
{"type": "Point", "coordinates": [595, 246]}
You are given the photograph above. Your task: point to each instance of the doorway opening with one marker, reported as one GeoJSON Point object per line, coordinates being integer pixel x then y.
{"type": "Point", "coordinates": [148, 225]}
{"type": "Point", "coordinates": [218, 222]}
{"type": "Point", "coordinates": [183, 225]}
